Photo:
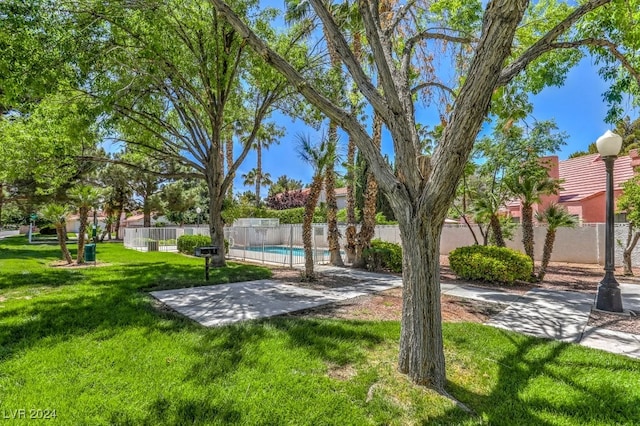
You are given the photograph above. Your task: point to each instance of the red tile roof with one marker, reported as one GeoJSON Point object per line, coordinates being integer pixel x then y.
{"type": "Point", "coordinates": [586, 176]}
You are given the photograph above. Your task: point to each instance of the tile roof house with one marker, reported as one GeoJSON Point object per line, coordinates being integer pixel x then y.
{"type": "Point", "coordinates": [583, 185]}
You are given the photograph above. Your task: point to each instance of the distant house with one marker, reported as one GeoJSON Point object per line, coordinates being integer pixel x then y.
{"type": "Point", "coordinates": [583, 187]}
{"type": "Point", "coordinates": [73, 221]}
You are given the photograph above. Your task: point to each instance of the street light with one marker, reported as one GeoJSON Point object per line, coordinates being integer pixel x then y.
{"type": "Point", "coordinates": [198, 210]}
{"type": "Point", "coordinates": [609, 297]}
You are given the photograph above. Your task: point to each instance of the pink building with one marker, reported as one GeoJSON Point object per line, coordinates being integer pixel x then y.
{"type": "Point", "coordinates": [583, 186]}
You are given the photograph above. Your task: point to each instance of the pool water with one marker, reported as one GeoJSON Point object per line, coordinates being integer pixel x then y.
{"type": "Point", "coordinates": [296, 251]}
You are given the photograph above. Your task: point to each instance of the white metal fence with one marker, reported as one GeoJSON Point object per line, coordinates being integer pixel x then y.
{"type": "Point", "coordinates": [282, 244]}
{"type": "Point", "coordinates": [158, 239]}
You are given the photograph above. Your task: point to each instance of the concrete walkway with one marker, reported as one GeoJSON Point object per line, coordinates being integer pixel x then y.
{"type": "Point", "coordinates": [229, 303]}
{"type": "Point", "coordinates": [542, 313]}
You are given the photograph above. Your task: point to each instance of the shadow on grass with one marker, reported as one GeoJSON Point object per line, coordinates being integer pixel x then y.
{"type": "Point", "coordinates": [543, 383]}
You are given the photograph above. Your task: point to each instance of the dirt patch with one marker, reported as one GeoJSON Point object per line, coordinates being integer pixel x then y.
{"type": "Point", "coordinates": [617, 322]}
{"type": "Point", "coordinates": [64, 265]}
{"type": "Point", "coordinates": [341, 372]}
{"type": "Point", "coordinates": [322, 282]}
{"type": "Point", "coordinates": [387, 306]}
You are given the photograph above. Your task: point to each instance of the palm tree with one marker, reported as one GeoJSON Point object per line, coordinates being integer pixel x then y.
{"type": "Point", "coordinates": [56, 214]}
{"type": "Point", "coordinates": [266, 137]}
{"type": "Point", "coordinates": [84, 197]}
{"type": "Point", "coordinates": [555, 216]}
{"type": "Point", "coordinates": [485, 207]}
{"type": "Point", "coordinates": [253, 177]}
{"type": "Point", "coordinates": [318, 156]}
{"type": "Point", "coordinates": [530, 184]}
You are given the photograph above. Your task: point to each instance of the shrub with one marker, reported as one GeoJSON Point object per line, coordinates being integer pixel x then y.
{"type": "Point", "coordinates": [188, 243]}
{"type": "Point", "coordinates": [48, 230]}
{"type": "Point", "coordinates": [383, 255]}
{"type": "Point", "coordinates": [490, 263]}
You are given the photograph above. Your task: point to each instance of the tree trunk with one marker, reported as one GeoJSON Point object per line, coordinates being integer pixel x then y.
{"type": "Point", "coordinates": [335, 258]}
{"type": "Point", "coordinates": [350, 233]}
{"type": "Point", "coordinates": [497, 231]}
{"type": "Point", "coordinates": [307, 231]}
{"type": "Point", "coordinates": [632, 240]}
{"type": "Point", "coordinates": [421, 347]}
{"type": "Point", "coordinates": [62, 240]}
{"type": "Point", "coordinates": [527, 230]}
{"type": "Point", "coordinates": [258, 171]}
{"type": "Point", "coordinates": [1, 202]}
{"type": "Point", "coordinates": [549, 239]}
{"type": "Point", "coordinates": [146, 210]}
{"type": "Point", "coordinates": [116, 229]}
{"type": "Point", "coordinates": [84, 214]}
{"type": "Point", "coordinates": [367, 230]}
{"type": "Point", "coordinates": [216, 224]}
{"type": "Point", "coordinates": [229, 155]}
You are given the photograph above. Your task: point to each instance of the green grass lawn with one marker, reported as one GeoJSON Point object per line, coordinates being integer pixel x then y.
{"type": "Point", "coordinates": [91, 345]}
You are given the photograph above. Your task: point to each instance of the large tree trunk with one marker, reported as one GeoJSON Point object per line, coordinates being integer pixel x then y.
{"type": "Point", "coordinates": [549, 239]}
{"type": "Point", "coordinates": [84, 215]}
{"type": "Point", "coordinates": [216, 224]}
{"type": "Point", "coordinates": [527, 231]}
{"type": "Point", "coordinates": [307, 225]}
{"type": "Point", "coordinates": [421, 347]}
{"type": "Point", "coordinates": [229, 155]}
{"type": "Point", "coordinates": [335, 258]}
{"type": "Point", "coordinates": [632, 240]}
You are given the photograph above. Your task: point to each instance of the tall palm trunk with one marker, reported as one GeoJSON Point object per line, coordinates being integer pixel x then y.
{"type": "Point", "coordinates": [84, 217]}
{"type": "Point", "coordinates": [367, 230]}
{"type": "Point", "coordinates": [62, 240]}
{"type": "Point", "coordinates": [307, 231]}
{"type": "Point", "coordinates": [527, 230]}
{"type": "Point", "coordinates": [351, 231]}
{"type": "Point", "coordinates": [549, 239]}
{"type": "Point", "coordinates": [335, 258]}
{"type": "Point", "coordinates": [258, 171]}
{"type": "Point", "coordinates": [632, 240]}
{"type": "Point", "coordinates": [497, 231]}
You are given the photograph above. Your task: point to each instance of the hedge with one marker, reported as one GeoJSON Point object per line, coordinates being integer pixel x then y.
{"type": "Point", "coordinates": [490, 264]}
{"type": "Point", "coordinates": [188, 243]}
{"type": "Point", "coordinates": [383, 255]}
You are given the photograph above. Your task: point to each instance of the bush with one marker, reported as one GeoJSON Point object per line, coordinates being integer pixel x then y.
{"type": "Point", "coordinates": [490, 263]}
{"type": "Point", "coordinates": [383, 255]}
{"type": "Point", "coordinates": [188, 243]}
{"type": "Point", "coordinates": [48, 230]}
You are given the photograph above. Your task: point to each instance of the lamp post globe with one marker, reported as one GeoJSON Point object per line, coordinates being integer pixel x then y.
{"type": "Point", "coordinates": [609, 297]}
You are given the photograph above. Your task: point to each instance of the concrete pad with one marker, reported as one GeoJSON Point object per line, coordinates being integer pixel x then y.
{"type": "Point", "coordinates": [630, 296]}
{"type": "Point", "coordinates": [229, 303]}
{"type": "Point", "coordinates": [612, 341]}
{"type": "Point", "coordinates": [477, 293]}
{"type": "Point", "coordinates": [547, 314]}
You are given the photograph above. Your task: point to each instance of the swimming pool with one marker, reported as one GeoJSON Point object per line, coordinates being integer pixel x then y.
{"type": "Point", "coordinates": [284, 250]}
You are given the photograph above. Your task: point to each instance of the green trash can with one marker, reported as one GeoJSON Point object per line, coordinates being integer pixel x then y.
{"type": "Point", "coordinates": [90, 253]}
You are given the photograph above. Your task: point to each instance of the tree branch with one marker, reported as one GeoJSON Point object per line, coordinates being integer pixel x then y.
{"type": "Point", "coordinates": [543, 44]}
{"type": "Point", "coordinates": [346, 120]}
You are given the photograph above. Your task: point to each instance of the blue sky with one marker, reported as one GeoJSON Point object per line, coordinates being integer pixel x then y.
{"type": "Point", "coordinates": [577, 107]}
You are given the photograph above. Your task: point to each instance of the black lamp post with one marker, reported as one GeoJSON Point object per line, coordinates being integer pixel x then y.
{"type": "Point", "coordinates": [198, 211]}
{"type": "Point", "coordinates": [609, 297]}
